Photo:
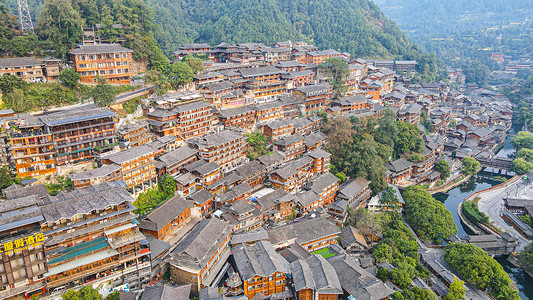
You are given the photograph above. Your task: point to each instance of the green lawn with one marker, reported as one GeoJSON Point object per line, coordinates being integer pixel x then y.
{"type": "Point", "coordinates": [324, 252]}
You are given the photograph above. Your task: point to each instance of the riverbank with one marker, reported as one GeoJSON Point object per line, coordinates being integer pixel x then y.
{"type": "Point", "coordinates": [450, 184]}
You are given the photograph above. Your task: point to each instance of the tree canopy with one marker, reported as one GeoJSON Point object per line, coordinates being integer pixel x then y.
{"type": "Point", "coordinates": [523, 139]}
{"type": "Point", "coordinates": [85, 293]}
{"type": "Point", "coordinates": [521, 166]}
{"type": "Point", "coordinates": [103, 93]}
{"type": "Point", "coordinates": [477, 267]}
{"type": "Point", "coordinates": [428, 217]}
{"type": "Point", "coordinates": [470, 165]}
{"type": "Point", "coordinates": [408, 138]}
{"type": "Point", "coordinates": [336, 71]}
{"type": "Point", "coordinates": [443, 167]}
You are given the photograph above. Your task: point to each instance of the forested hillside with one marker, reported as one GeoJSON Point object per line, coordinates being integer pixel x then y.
{"type": "Point", "coordinates": [423, 19]}
{"type": "Point", "coordinates": [354, 26]}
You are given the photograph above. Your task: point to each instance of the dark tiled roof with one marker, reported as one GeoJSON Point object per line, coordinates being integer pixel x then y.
{"type": "Point", "coordinates": [19, 62]}
{"type": "Point", "coordinates": [304, 231]}
{"type": "Point", "coordinates": [166, 292]}
{"type": "Point", "coordinates": [39, 190]}
{"type": "Point", "coordinates": [271, 158]}
{"type": "Point", "coordinates": [351, 188]}
{"type": "Point", "coordinates": [317, 274]}
{"type": "Point", "coordinates": [200, 197]}
{"type": "Point", "coordinates": [251, 72]}
{"type": "Point", "coordinates": [103, 171]}
{"type": "Point", "coordinates": [165, 213]}
{"type": "Point", "coordinates": [320, 183]}
{"type": "Point", "coordinates": [98, 49]}
{"type": "Point", "coordinates": [84, 113]}
{"type": "Point", "coordinates": [258, 259]}
{"type": "Point", "coordinates": [399, 165]}
{"type": "Point", "coordinates": [250, 169]}
{"type": "Point", "coordinates": [127, 155]}
{"type": "Point", "coordinates": [178, 155]}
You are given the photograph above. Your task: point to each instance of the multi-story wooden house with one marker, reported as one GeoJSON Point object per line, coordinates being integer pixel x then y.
{"type": "Point", "coordinates": [325, 186]}
{"type": "Point", "coordinates": [315, 278]}
{"type": "Point", "coordinates": [173, 213]}
{"type": "Point", "coordinates": [293, 176]}
{"type": "Point", "coordinates": [410, 114]}
{"type": "Point", "coordinates": [110, 61]}
{"type": "Point", "coordinates": [292, 146]}
{"type": "Point", "coordinates": [183, 121]}
{"type": "Point", "coordinates": [133, 135]}
{"type": "Point", "coordinates": [227, 148]}
{"type": "Point", "coordinates": [241, 117]}
{"type": "Point", "coordinates": [261, 269]}
{"type": "Point", "coordinates": [23, 259]}
{"type": "Point", "coordinates": [216, 92]}
{"type": "Point", "coordinates": [138, 167]}
{"type": "Point", "coordinates": [278, 129]}
{"type": "Point", "coordinates": [351, 103]}
{"type": "Point", "coordinates": [318, 57]}
{"type": "Point", "coordinates": [266, 91]}
{"type": "Point", "coordinates": [105, 173]}
{"type": "Point", "coordinates": [26, 68]}
{"type": "Point", "coordinates": [321, 161]}
{"type": "Point", "coordinates": [91, 239]}
{"type": "Point", "coordinates": [195, 262]}
{"type": "Point", "coordinates": [270, 111]}
{"type": "Point", "coordinates": [315, 97]}
{"type": "Point", "coordinates": [32, 148]}
{"type": "Point", "coordinates": [311, 234]}
{"type": "Point", "coordinates": [172, 162]}
{"type": "Point", "coordinates": [79, 133]}
{"type": "Point", "coordinates": [355, 192]}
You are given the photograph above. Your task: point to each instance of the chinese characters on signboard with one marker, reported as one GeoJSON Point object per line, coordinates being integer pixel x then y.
{"type": "Point", "coordinates": [22, 243]}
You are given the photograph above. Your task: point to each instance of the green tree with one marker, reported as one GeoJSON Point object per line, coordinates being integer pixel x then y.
{"type": "Point", "coordinates": [526, 154]}
{"type": "Point", "coordinates": [196, 64]}
{"type": "Point", "coordinates": [113, 296]}
{"type": "Point", "coordinates": [525, 258]}
{"type": "Point", "coordinates": [470, 165]}
{"type": "Point", "coordinates": [60, 24]}
{"type": "Point", "coordinates": [103, 93]}
{"type": "Point", "coordinates": [23, 45]}
{"type": "Point", "coordinates": [523, 139]}
{"type": "Point", "coordinates": [408, 138]}
{"type": "Point", "coordinates": [167, 184]}
{"type": "Point", "coordinates": [258, 144]}
{"type": "Point", "coordinates": [402, 275]}
{"type": "Point", "coordinates": [428, 217]}
{"type": "Point", "coordinates": [336, 70]}
{"type": "Point", "coordinates": [69, 78]}
{"type": "Point", "coordinates": [477, 267]}
{"type": "Point", "coordinates": [9, 83]}
{"type": "Point", "coordinates": [443, 167]}
{"type": "Point", "coordinates": [6, 179]}
{"type": "Point", "coordinates": [85, 293]}
{"type": "Point", "coordinates": [383, 274]}
{"type": "Point", "coordinates": [180, 74]}
{"type": "Point", "coordinates": [457, 290]}
{"type": "Point", "coordinates": [415, 157]}
{"type": "Point", "coordinates": [521, 166]}
{"type": "Point", "coordinates": [389, 198]}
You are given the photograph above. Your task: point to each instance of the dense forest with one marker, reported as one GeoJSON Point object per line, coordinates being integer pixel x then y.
{"type": "Point", "coordinates": [357, 27]}
{"type": "Point", "coordinates": [464, 33]}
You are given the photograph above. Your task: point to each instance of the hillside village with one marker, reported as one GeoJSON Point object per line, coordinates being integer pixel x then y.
{"type": "Point", "coordinates": [225, 187]}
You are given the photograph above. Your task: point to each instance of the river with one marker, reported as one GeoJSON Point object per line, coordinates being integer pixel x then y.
{"type": "Point", "coordinates": [484, 180]}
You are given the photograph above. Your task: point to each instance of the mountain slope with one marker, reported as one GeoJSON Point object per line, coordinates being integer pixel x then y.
{"type": "Point", "coordinates": [356, 26]}
{"type": "Point", "coordinates": [422, 19]}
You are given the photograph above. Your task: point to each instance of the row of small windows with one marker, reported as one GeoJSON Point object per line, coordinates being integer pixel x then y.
{"type": "Point", "coordinates": [103, 65]}
{"type": "Point", "coordinates": [102, 56]}
{"type": "Point", "coordinates": [105, 72]}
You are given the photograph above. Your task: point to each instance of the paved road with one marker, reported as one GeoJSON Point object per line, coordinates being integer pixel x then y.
{"type": "Point", "coordinates": [491, 203]}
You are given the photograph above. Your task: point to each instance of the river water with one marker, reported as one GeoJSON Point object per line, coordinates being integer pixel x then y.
{"type": "Point", "coordinates": [484, 180]}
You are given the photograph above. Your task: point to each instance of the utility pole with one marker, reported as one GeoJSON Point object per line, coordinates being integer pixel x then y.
{"type": "Point", "coordinates": [26, 25]}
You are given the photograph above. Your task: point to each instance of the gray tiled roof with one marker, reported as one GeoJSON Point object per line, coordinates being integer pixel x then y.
{"type": "Point", "coordinates": [292, 168]}
{"type": "Point", "coordinates": [100, 48]}
{"type": "Point", "coordinates": [83, 113]}
{"type": "Point", "coordinates": [19, 62]}
{"type": "Point", "coordinates": [303, 232]}
{"type": "Point", "coordinates": [165, 213]}
{"type": "Point", "coordinates": [351, 188]}
{"type": "Point", "coordinates": [307, 197]}
{"type": "Point", "coordinates": [216, 139]}
{"type": "Point", "coordinates": [259, 259]}
{"type": "Point", "coordinates": [202, 167]}
{"type": "Point", "coordinates": [228, 113]}
{"type": "Point", "coordinates": [251, 72]}
{"type": "Point", "coordinates": [317, 274]}
{"type": "Point", "coordinates": [100, 172]}
{"type": "Point", "coordinates": [320, 183]}
{"type": "Point", "coordinates": [178, 155]}
{"type": "Point", "coordinates": [190, 106]}
{"type": "Point", "coordinates": [129, 154]}
{"type": "Point", "coordinates": [399, 165]}
{"type": "Point", "coordinates": [250, 169]}
{"type": "Point", "coordinates": [83, 201]}
{"type": "Point", "coordinates": [271, 158]}
{"type": "Point", "coordinates": [319, 153]}
{"type": "Point", "coordinates": [357, 281]}
{"type": "Point", "coordinates": [39, 190]}
{"type": "Point", "coordinates": [314, 89]}
{"type": "Point", "coordinates": [200, 197]}
{"type": "Point", "coordinates": [289, 140]}
{"type": "Point", "coordinates": [166, 292]}
{"type": "Point", "coordinates": [193, 251]}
